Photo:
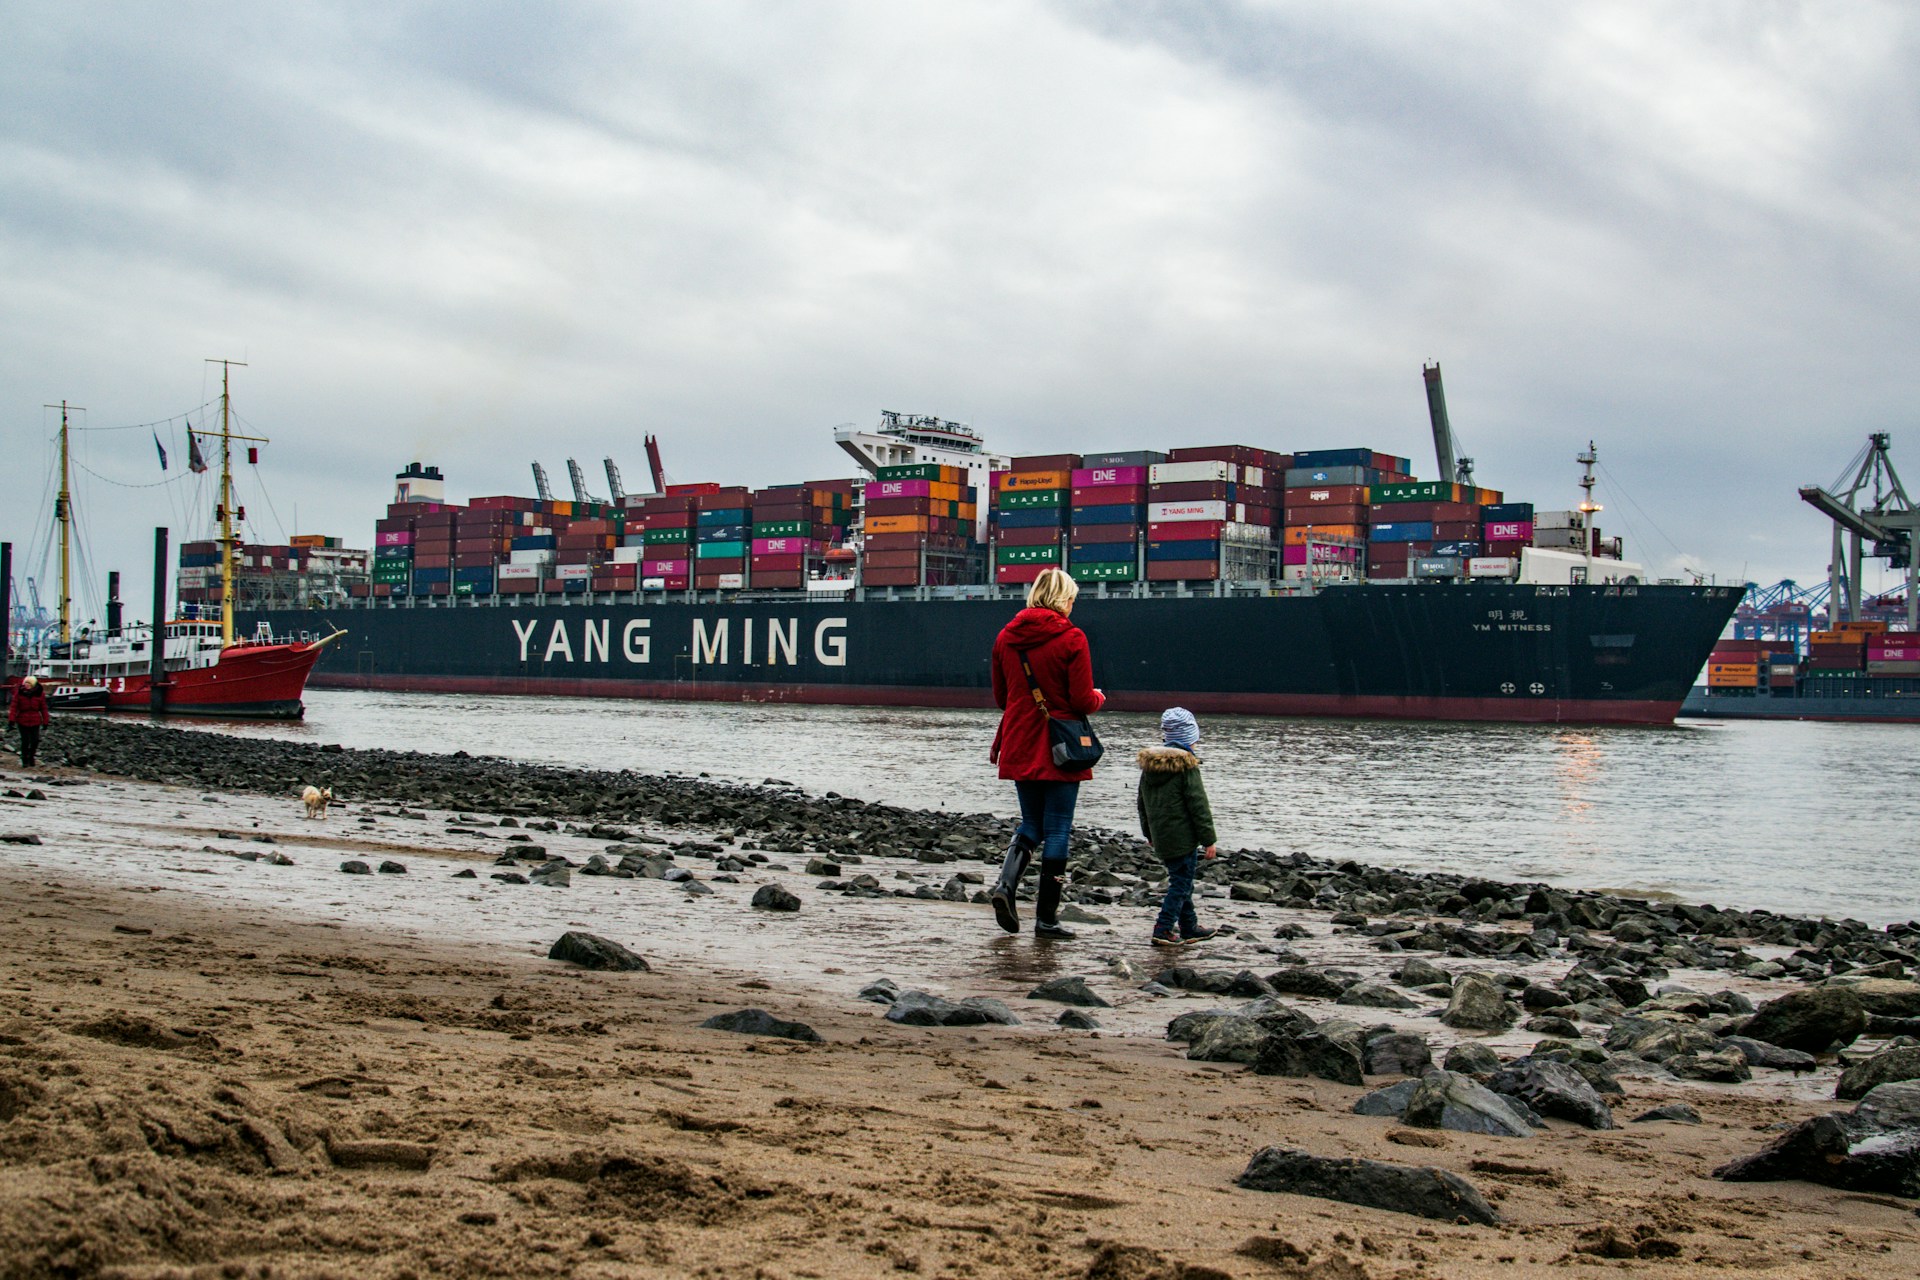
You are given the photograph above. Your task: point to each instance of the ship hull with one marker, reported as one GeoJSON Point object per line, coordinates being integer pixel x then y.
{"type": "Point", "coordinates": [1499, 652]}
{"type": "Point", "coordinates": [1894, 707]}
{"type": "Point", "coordinates": [249, 682]}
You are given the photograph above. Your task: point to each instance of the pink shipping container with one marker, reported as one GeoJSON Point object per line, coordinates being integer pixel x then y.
{"type": "Point", "coordinates": [792, 546]}
{"type": "Point", "coordinates": [1894, 647]}
{"type": "Point", "coordinates": [1323, 553]}
{"type": "Point", "coordinates": [1507, 531]}
{"type": "Point", "coordinates": [665, 568]}
{"type": "Point", "coordinates": [1092, 476]}
{"type": "Point", "coordinates": [398, 538]}
{"type": "Point", "coordinates": [879, 489]}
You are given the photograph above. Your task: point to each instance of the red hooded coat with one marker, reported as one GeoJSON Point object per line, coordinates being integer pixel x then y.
{"type": "Point", "coordinates": [1057, 652]}
{"type": "Point", "coordinates": [29, 707]}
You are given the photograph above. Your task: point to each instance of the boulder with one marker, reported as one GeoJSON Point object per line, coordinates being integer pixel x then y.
{"type": "Point", "coordinates": [1553, 1089]}
{"type": "Point", "coordinates": [1721, 1066]}
{"type": "Point", "coordinates": [392, 868]}
{"type": "Point", "coordinates": [881, 991]}
{"type": "Point", "coordinates": [758, 1022]}
{"type": "Point", "coordinates": [1242, 891]}
{"type": "Point", "coordinates": [1875, 1149]}
{"type": "Point", "coordinates": [1759, 1053]}
{"type": "Point", "coordinates": [1396, 1053]}
{"type": "Point", "coordinates": [1315, 1053]}
{"type": "Point", "coordinates": [1375, 995]}
{"type": "Point", "coordinates": [1390, 1102]}
{"type": "Point", "coordinates": [1678, 1112]}
{"type": "Point", "coordinates": [1077, 1020]}
{"type": "Point", "coordinates": [921, 1009]}
{"type": "Point", "coordinates": [1415, 972]}
{"type": "Point", "coordinates": [355, 867]}
{"type": "Point", "coordinates": [1472, 1058]}
{"type": "Point", "coordinates": [1419, 1190]}
{"type": "Point", "coordinates": [1479, 1004]}
{"type": "Point", "coordinates": [1448, 1100]}
{"type": "Point", "coordinates": [590, 951]}
{"type": "Point", "coordinates": [1812, 1020]}
{"type": "Point", "coordinates": [1229, 1039]}
{"type": "Point", "coordinates": [772, 897]}
{"type": "Point", "coordinates": [1883, 997]}
{"type": "Point", "coordinates": [1072, 990]}
{"type": "Point", "coordinates": [1187, 1027]}
{"type": "Point", "coordinates": [1889, 1066]}
{"type": "Point", "coordinates": [1300, 980]}
{"type": "Point", "coordinates": [822, 867]}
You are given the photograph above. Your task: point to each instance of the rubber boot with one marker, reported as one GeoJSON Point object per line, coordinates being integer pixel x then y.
{"type": "Point", "coordinates": [1046, 912]}
{"type": "Point", "coordinates": [1019, 854]}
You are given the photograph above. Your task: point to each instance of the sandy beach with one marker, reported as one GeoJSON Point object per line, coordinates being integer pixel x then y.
{"type": "Point", "coordinates": [213, 1064]}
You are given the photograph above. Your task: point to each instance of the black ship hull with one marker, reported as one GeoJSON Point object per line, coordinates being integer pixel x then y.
{"type": "Point", "coordinates": [1894, 700]}
{"type": "Point", "coordinates": [1506, 652]}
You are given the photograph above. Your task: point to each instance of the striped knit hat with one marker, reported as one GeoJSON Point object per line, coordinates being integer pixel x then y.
{"type": "Point", "coordinates": [1178, 728]}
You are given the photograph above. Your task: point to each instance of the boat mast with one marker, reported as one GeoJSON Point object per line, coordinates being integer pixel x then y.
{"type": "Point", "coordinates": [229, 545]}
{"type": "Point", "coordinates": [63, 515]}
{"type": "Point", "coordinates": [1588, 507]}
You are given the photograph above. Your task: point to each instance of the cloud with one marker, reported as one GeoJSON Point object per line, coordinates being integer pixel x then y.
{"type": "Point", "coordinates": [480, 235]}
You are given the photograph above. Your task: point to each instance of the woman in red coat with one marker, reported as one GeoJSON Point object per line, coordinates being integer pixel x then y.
{"type": "Point", "coordinates": [28, 710]}
{"type": "Point", "coordinates": [1063, 670]}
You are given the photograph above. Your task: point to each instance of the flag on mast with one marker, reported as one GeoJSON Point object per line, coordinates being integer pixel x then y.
{"type": "Point", "coordinates": [162, 448]}
{"type": "Point", "coordinates": [194, 461]}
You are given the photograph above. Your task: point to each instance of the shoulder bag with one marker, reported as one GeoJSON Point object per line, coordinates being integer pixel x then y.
{"type": "Point", "coordinates": [1075, 745]}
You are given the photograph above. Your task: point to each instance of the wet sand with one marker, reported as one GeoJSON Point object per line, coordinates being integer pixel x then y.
{"type": "Point", "coordinates": [215, 1066]}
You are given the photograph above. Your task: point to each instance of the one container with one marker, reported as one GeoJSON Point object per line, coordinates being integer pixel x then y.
{"type": "Point", "coordinates": [1101, 477]}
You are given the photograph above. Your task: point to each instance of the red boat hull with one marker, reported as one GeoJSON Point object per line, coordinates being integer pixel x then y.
{"type": "Point", "coordinates": [249, 681]}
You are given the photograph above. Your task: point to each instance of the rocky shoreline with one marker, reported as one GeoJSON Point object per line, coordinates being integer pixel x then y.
{"type": "Point", "coordinates": [1589, 977]}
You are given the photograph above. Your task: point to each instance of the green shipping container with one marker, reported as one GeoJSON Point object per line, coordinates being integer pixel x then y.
{"type": "Point", "coordinates": [677, 536]}
{"type": "Point", "coordinates": [1027, 555]}
{"type": "Point", "coordinates": [1024, 499]}
{"type": "Point", "coordinates": [1108, 572]}
{"type": "Point", "coordinates": [910, 471]}
{"type": "Point", "coordinates": [1420, 491]}
{"type": "Point", "coordinates": [720, 551]}
{"type": "Point", "coordinates": [782, 529]}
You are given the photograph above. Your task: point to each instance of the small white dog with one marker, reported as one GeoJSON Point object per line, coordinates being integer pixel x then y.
{"type": "Point", "coordinates": [317, 799]}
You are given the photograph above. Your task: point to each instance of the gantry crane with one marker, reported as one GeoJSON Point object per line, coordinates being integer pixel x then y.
{"type": "Point", "coordinates": [1869, 505]}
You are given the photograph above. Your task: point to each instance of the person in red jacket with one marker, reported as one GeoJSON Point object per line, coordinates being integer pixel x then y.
{"type": "Point", "coordinates": [28, 710]}
{"type": "Point", "coordinates": [1063, 670]}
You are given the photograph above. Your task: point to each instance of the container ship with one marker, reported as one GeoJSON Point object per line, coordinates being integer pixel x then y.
{"type": "Point", "coordinates": [1864, 664]}
{"type": "Point", "coordinates": [1230, 579]}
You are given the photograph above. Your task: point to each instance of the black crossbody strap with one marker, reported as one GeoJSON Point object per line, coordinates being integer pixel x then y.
{"type": "Point", "coordinates": [1033, 686]}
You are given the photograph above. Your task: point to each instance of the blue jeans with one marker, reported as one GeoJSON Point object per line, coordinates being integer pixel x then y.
{"type": "Point", "coordinates": [1178, 906]}
{"type": "Point", "coordinates": [1046, 820]}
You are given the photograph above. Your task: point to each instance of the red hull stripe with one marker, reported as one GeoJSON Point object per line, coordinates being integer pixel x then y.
{"type": "Point", "coordinates": [1525, 710]}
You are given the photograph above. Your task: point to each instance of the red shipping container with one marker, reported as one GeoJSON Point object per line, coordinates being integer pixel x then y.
{"type": "Point", "coordinates": [692, 490]}
{"type": "Point", "coordinates": [1187, 531]}
{"type": "Point", "coordinates": [782, 494]}
{"type": "Point", "coordinates": [901, 506]}
{"type": "Point", "coordinates": [1107, 495]}
{"type": "Point", "coordinates": [1047, 462]}
{"type": "Point", "coordinates": [578, 555]}
{"type": "Point", "coordinates": [778, 563]}
{"type": "Point", "coordinates": [1195, 491]}
{"type": "Point", "coordinates": [772, 512]}
{"type": "Point", "coordinates": [1086, 534]}
{"type": "Point", "coordinates": [666, 520]}
{"type": "Point", "coordinates": [1183, 570]}
{"type": "Point", "coordinates": [730, 564]}
{"type": "Point", "coordinates": [1520, 531]}
{"type": "Point", "coordinates": [1245, 455]}
{"type": "Point", "coordinates": [908, 577]}
{"type": "Point", "coordinates": [780, 579]}
{"type": "Point", "coordinates": [668, 501]}
{"type": "Point", "coordinates": [1050, 536]}
{"type": "Point", "coordinates": [1324, 516]}
{"type": "Point", "coordinates": [670, 582]}
{"type": "Point", "coordinates": [1894, 646]}
{"type": "Point", "coordinates": [472, 559]}
{"type": "Point", "coordinates": [1326, 495]}
{"type": "Point", "coordinates": [892, 559]}
{"type": "Point", "coordinates": [718, 499]}
{"type": "Point", "coordinates": [1510, 550]}
{"type": "Point", "coordinates": [1006, 574]}
{"type": "Point", "coordinates": [583, 541]}
{"type": "Point", "coordinates": [896, 541]}
{"type": "Point", "coordinates": [1456, 531]}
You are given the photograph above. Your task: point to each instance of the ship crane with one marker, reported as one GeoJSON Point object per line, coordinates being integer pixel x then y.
{"type": "Point", "coordinates": [579, 479]}
{"type": "Point", "coordinates": [654, 465]}
{"type": "Point", "coordinates": [540, 486]}
{"type": "Point", "coordinates": [614, 487]}
{"type": "Point", "coordinates": [1445, 447]}
{"type": "Point", "coordinates": [1871, 505]}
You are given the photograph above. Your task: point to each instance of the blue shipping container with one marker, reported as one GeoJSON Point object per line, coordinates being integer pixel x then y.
{"type": "Point", "coordinates": [1102, 552]}
{"type": "Point", "coordinates": [479, 573]}
{"type": "Point", "coordinates": [1314, 458]}
{"type": "Point", "coordinates": [1134, 458]}
{"type": "Point", "coordinates": [1414, 531]}
{"type": "Point", "coordinates": [1456, 548]}
{"type": "Point", "coordinates": [721, 533]}
{"type": "Point", "coordinates": [731, 515]}
{"type": "Point", "coordinates": [534, 542]}
{"type": "Point", "coordinates": [1500, 511]}
{"type": "Point", "coordinates": [1111, 513]}
{"type": "Point", "coordinates": [1301, 477]}
{"type": "Point", "coordinates": [1033, 518]}
{"type": "Point", "coordinates": [1183, 550]}
{"type": "Point", "coordinates": [427, 577]}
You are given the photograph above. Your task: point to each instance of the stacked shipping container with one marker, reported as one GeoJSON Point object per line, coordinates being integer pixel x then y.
{"type": "Point", "coordinates": [1107, 515]}
{"type": "Point", "coordinates": [1029, 520]}
{"type": "Point", "coordinates": [918, 527]}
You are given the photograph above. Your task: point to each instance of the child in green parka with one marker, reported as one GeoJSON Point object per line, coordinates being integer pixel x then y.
{"type": "Point", "coordinates": [1176, 818]}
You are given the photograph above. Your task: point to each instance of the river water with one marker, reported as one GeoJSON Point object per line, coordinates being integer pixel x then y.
{"type": "Point", "coordinates": [1818, 819]}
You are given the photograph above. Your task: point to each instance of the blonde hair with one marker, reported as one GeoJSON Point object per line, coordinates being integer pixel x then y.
{"type": "Point", "coordinates": [1054, 590]}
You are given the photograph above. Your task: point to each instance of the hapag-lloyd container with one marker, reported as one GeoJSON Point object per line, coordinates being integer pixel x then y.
{"type": "Point", "coordinates": [1164, 512]}
{"type": "Point", "coordinates": [1092, 477]}
{"type": "Point", "coordinates": [1507, 531]}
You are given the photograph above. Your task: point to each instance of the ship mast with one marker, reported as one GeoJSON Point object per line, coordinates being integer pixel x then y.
{"type": "Point", "coordinates": [229, 545]}
{"type": "Point", "coordinates": [63, 515]}
{"type": "Point", "coordinates": [1588, 507]}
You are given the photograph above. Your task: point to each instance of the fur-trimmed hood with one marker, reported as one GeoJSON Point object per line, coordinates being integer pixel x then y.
{"type": "Point", "coordinates": [1166, 760]}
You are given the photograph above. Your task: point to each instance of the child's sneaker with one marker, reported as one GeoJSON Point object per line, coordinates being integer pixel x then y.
{"type": "Point", "coordinates": [1200, 934]}
{"type": "Point", "coordinates": [1166, 939]}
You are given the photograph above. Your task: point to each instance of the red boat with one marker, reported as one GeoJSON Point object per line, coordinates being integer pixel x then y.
{"type": "Point", "coordinates": [260, 677]}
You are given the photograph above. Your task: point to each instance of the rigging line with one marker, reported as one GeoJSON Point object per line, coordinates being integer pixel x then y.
{"type": "Point", "coordinates": [155, 425]}
{"type": "Point", "coordinates": [1614, 485]}
{"type": "Point", "coordinates": [121, 484]}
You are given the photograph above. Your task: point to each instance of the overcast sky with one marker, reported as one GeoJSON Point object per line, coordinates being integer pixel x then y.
{"type": "Point", "coordinates": [481, 234]}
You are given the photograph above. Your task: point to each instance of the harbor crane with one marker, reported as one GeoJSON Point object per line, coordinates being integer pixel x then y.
{"type": "Point", "coordinates": [541, 488]}
{"type": "Point", "coordinates": [614, 488]}
{"type": "Point", "coordinates": [1868, 505]}
{"type": "Point", "coordinates": [1445, 448]}
{"type": "Point", "coordinates": [579, 479]}
{"type": "Point", "coordinates": [654, 465]}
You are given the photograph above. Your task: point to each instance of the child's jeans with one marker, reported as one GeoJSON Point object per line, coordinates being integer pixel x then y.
{"type": "Point", "coordinates": [1178, 907]}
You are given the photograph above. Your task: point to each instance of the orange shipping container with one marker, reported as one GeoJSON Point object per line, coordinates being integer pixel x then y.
{"type": "Point", "coordinates": [1730, 669]}
{"type": "Point", "coordinates": [896, 524]}
{"type": "Point", "coordinates": [1019, 481]}
{"type": "Point", "coordinates": [1864, 628]}
{"type": "Point", "coordinates": [1296, 535]}
{"type": "Point", "coordinates": [1720, 680]}
{"type": "Point", "coordinates": [943, 492]}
